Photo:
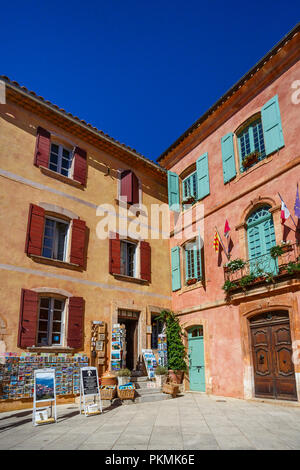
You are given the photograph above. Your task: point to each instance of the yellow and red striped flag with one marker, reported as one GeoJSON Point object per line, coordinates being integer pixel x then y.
{"type": "Point", "coordinates": [216, 241]}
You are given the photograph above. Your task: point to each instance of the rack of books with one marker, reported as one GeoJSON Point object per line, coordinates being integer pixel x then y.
{"type": "Point", "coordinates": [118, 347]}
{"type": "Point", "coordinates": [162, 350]}
{"type": "Point", "coordinates": [17, 373]}
{"type": "Point", "coordinates": [98, 345]}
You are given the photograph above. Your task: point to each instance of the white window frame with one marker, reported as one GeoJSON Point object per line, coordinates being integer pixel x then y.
{"type": "Point", "coordinates": [50, 322]}
{"type": "Point", "coordinates": [55, 241]}
{"type": "Point", "coordinates": [61, 148]}
{"type": "Point", "coordinates": [127, 242]}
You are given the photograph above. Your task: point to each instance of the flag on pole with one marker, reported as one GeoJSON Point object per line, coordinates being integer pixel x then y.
{"type": "Point", "coordinates": [216, 241]}
{"type": "Point", "coordinates": [226, 229]}
{"type": "Point", "coordinates": [297, 204]}
{"type": "Point", "coordinates": [285, 213]}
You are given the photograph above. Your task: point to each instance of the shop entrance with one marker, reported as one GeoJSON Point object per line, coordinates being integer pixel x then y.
{"type": "Point", "coordinates": [129, 319]}
{"type": "Point", "coordinates": [274, 375]}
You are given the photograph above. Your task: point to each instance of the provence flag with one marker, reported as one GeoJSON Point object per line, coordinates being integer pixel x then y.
{"type": "Point", "coordinates": [297, 204]}
{"type": "Point", "coordinates": [216, 241]}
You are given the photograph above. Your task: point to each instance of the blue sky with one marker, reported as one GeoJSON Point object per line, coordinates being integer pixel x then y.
{"type": "Point", "coordinates": [142, 72]}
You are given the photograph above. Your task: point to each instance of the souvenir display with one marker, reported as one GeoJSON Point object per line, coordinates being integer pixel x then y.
{"type": "Point", "coordinates": [150, 362]}
{"type": "Point", "coordinates": [17, 373]}
{"type": "Point", "coordinates": [118, 347]}
{"type": "Point", "coordinates": [162, 350]}
{"type": "Point", "coordinates": [98, 345]}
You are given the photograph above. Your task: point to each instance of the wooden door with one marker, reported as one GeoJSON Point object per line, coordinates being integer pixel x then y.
{"type": "Point", "coordinates": [196, 359]}
{"type": "Point", "coordinates": [274, 375]}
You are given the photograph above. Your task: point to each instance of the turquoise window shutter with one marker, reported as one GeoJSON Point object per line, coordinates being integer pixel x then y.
{"type": "Point", "coordinates": [271, 121]}
{"type": "Point", "coordinates": [175, 267]}
{"type": "Point", "coordinates": [202, 176]}
{"type": "Point", "coordinates": [173, 191]}
{"type": "Point", "coordinates": [229, 170]}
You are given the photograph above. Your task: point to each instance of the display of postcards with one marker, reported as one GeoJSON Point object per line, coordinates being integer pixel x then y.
{"type": "Point", "coordinates": [116, 355]}
{"type": "Point", "coordinates": [116, 345]}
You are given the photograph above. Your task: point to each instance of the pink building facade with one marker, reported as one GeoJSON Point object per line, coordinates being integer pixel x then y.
{"type": "Point", "coordinates": [241, 323]}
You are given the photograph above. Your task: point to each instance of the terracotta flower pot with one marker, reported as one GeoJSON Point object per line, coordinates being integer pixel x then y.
{"type": "Point", "coordinates": [191, 281]}
{"type": "Point", "coordinates": [176, 376]}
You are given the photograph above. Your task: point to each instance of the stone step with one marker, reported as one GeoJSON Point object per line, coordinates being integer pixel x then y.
{"type": "Point", "coordinates": [152, 397]}
{"type": "Point", "coordinates": [142, 378]}
{"type": "Point", "coordinates": [147, 391]}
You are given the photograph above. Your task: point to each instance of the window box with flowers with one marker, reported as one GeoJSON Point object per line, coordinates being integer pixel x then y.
{"type": "Point", "coordinates": [250, 159]}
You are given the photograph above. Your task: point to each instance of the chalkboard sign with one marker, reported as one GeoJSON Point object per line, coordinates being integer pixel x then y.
{"type": "Point", "coordinates": [89, 381]}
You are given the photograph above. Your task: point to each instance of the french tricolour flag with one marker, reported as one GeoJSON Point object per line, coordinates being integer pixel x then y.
{"type": "Point", "coordinates": [285, 213]}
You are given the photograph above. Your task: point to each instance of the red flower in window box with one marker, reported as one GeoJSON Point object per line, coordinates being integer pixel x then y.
{"type": "Point", "coordinates": [250, 159]}
{"type": "Point", "coordinates": [189, 200]}
{"type": "Point", "coordinates": [191, 281]}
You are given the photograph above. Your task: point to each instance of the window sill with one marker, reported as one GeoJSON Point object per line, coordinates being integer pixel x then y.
{"type": "Point", "coordinates": [248, 171]}
{"type": "Point", "coordinates": [55, 262]}
{"type": "Point", "coordinates": [50, 349]}
{"type": "Point", "coordinates": [123, 277]}
{"type": "Point", "coordinates": [137, 207]}
{"type": "Point", "coordinates": [186, 288]}
{"type": "Point", "coordinates": [62, 178]}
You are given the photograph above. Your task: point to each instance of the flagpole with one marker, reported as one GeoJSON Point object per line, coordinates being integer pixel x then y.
{"type": "Point", "coordinates": [289, 211]}
{"type": "Point", "coordinates": [222, 244]}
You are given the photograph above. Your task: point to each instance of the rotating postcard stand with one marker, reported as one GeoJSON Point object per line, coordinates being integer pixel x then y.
{"type": "Point", "coordinates": [89, 387]}
{"type": "Point", "coordinates": [44, 391]}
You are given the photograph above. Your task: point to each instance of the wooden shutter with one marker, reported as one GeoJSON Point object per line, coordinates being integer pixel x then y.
{"type": "Point", "coordinates": [114, 253]}
{"type": "Point", "coordinates": [75, 323]}
{"type": "Point", "coordinates": [28, 318]}
{"type": "Point", "coordinates": [80, 165]}
{"type": "Point", "coordinates": [271, 122]}
{"type": "Point", "coordinates": [173, 191]}
{"type": "Point", "coordinates": [145, 250]}
{"type": "Point", "coordinates": [35, 230]}
{"type": "Point", "coordinates": [202, 176]}
{"type": "Point", "coordinates": [78, 239]}
{"type": "Point", "coordinates": [42, 148]}
{"type": "Point", "coordinates": [175, 268]}
{"type": "Point", "coordinates": [229, 170]}
{"type": "Point", "coordinates": [129, 187]}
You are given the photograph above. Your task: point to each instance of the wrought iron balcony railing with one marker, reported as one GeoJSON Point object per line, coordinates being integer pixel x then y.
{"type": "Point", "coordinates": [263, 269]}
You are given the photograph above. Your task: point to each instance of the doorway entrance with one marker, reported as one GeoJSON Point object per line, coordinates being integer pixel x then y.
{"type": "Point", "coordinates": [129, 319]}
{"type": "Point", "coordinates": [196, 359]}
{"type": "Point", "coordinates": [274, 375]}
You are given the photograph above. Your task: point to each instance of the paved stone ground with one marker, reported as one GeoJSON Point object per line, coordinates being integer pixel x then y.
{"type": "Point", "coordinates": [192, 421]}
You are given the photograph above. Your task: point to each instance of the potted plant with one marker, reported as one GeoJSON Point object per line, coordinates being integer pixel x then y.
{"type": "Point", "coordinates": [123, 376]}
{"type": "Point", "coordinates": [160, 375]}
{"type": "Point", "coordinates": [176, 350]}
{"type": "Point", "coordinates": [250, 159]}
{"type": "Point", "coordinates": [235, 265]}
{"type": "Point", "coordinates": [191, 281]}
{"type": "Point", "coordinates": [188, 200]}
{"type": "Point", "coordinates": [276, 251]}
{"type": "Point", "coordinates": [246, 280]}
{"type": "Point", "coordinates": [228, 286]}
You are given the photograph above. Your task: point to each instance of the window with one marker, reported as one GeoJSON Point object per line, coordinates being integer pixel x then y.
{"type": "Point", "coordinates": [157, 329]}
{"type": "Point", "coordinates": [60, 159]}
{"type": "Point", "coordinates": [55, 239]}
{"type": "Point", "coordinates": [50, 322]}
{"type": "Point", "coordinates": [251, 144]}
{"type": "Point", "coordinates": [189, 187]}
{"type": "Point", "coordinates": [193, 262]}
{"type": "Point", "coordinates": [128, 259]}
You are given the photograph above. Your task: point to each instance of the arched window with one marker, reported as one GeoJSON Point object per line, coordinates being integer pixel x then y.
{"type": "Point", "coordinates": [251, 143]}
{"type": "Point", "coordinates": [261, 238]}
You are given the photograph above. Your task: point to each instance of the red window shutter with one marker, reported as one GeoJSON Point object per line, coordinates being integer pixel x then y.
{"type": "Point", "coordinates": [75, 322]}
{"type": "Point", "coordinates": [80, 165]}
{"type": "Point", "coordinates": [35, 230]}
{"type": "Point", "coordinates": [145, 251]}
{"type": "Point", "coordinates": [78, 241]}
{"type": "Point", "coordinates": [114, 253]}
{"type": "Point", "coordinates": [28, 318]}
{"type": "Point", "coordinates": [42, 148]}
{"type": "Point", "coordinates": [129, 187]}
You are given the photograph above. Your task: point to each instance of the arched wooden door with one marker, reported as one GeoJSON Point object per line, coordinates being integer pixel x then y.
{"type": "Point", "coordinates": [274, 375]}
{"type": "Point", "coordinates": [196, 359]}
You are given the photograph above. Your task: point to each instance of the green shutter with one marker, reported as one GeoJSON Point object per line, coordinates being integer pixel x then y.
{"type": "Point", "coordinates": [202, 176]}
{"type": "Point", "coordinates": [271, 122]}
{"type": "Point", "coordinates": [175, 266]}
{"type": "Point", "coordinates": [229, 170]}
{"type": "Point", "coordinates": [173, 191]}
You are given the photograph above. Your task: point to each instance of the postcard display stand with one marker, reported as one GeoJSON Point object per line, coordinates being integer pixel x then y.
{"type": "Point", "coordinates": [98, 345]}
{"type": "Point", "coordinates": [17, 373]}
{"type": "Point", "coordinates": [162, 350]}
{"type": "Point", "coordinates": [89, 390]}
{"type": "Point", "coordinates": [118, 347]}
{"type": "Point", "coordinates": [150, 362]}
{"type": "Point", "coordinates": [44, 392]}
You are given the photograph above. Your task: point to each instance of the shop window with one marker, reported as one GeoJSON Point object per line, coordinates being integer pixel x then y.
{"type": "Point", "coordinates": [128, 259]}
{"type": "Point", "coordinates": [157, 329]}
{"type": "Point", "coordinates": [50, 321]}
{"type": "Point", "coordinates": [55, 239]}
{"type": "Point", "coordinates": [60, 159]}
{"type": "Point", "coordinates": [251, 144]}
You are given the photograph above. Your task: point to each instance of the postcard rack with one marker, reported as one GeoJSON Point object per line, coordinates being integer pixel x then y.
{"type": "Point", "coordinates": [98, 346]}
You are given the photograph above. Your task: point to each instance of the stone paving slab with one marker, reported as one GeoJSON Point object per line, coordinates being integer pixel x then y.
{"type": "Point", "coordinates": [192, 422]}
